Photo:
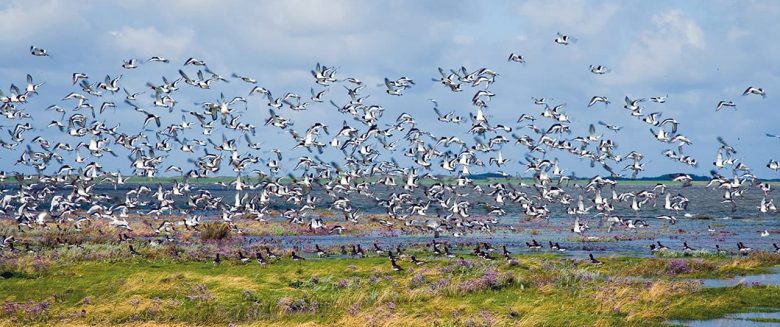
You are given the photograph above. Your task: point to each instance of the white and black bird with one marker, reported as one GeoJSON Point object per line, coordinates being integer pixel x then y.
{"type": "Point", "coordinates": [599, 69]}
{"type": "Point", "coordinates": [194, 62]}
{"type": "Point", "coordinates": [130, 63]}
{"type": "Point", "coordinates": [659, 99]}
{"type": "Point", "coordinates": [725, 103]}
{"type": "Point", "coordinates": [38, 52]}
{"type": "Point", "coordinates": [158, 59]}
{"type": "Point", "coordinates": [516, 58]}
{"type": "Point", "coordinates": [596, 99]}
{"type": "Point", "coordinates": [563, 39]}
{"type": "Point", "coordinates": [754, 90]}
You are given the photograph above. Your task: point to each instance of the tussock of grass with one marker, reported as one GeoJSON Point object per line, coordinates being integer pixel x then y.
{"type": "Point", "coordinates": [214, 231]}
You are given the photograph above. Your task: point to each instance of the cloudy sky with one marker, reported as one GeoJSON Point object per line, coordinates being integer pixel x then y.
{"type": "Point", "coordinates": [696, 52]}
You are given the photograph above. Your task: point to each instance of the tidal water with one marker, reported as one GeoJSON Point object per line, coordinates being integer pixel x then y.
{"type": "Point", "coordinates": [708, 222]}
{"type": "Point", "coordinates": [751, 319]}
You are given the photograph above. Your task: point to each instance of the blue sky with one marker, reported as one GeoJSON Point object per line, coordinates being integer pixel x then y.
{"type": "Point", "coordinates": [697, 52]}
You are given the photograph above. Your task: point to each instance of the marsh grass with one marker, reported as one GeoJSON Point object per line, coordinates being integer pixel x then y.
{"type": "Point", "coordinates": [214, 231]}
{"type": "Point", "coordinates": [93, 279]}
{"type": "Point", "coordinates": [536, 290]}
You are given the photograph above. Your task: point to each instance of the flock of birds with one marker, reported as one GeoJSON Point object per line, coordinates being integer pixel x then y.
{"type": "Point", "coordinates": [482, 250]}
{"type": "Point", "coordinates": [68, 165]}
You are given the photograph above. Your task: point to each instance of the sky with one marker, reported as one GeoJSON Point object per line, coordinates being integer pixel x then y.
{"type": "Point", "coordinates": [696, 52]}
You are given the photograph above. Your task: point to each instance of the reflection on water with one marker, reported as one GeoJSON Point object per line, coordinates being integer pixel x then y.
{"type": "Point", "coordinates": [737, 320]}
{"type": "Point", "coordinates": [772, 278]}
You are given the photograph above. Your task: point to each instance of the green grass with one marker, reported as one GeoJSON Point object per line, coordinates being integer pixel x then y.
{"type": "Point", "coordinates": [543, 290]}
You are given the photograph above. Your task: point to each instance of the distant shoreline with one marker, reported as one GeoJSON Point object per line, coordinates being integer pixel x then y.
{"type": "Point", "coordinates": [424, 181]}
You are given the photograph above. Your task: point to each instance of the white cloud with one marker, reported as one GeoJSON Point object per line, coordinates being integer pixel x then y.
{"type": "Point", "coordinates": [571, 17]}
{"type": "Point", "coordinates": [19, 20]}
{"type": "Point", "coordinates": [148, 41]}
{"type": "Point", "coordinates": [314, 17]}
{"type": "Point", "coordinates": [665, 48]}
{"type": "Point", "coordinates": [736, 33]}
{"type": "Point", "coordinates": [463, 39]}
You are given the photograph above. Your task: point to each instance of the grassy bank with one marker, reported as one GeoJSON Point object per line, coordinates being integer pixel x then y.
{"type": "Point", "coordinates": [530, 290]}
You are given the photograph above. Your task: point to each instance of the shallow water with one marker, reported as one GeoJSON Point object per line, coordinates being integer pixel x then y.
{"type": "Point", "coordinates": [735, 320]}
{"type": "Point", "coordinates": [745, 224]}
{"type": "Point", "coordinates": [772, 278]}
